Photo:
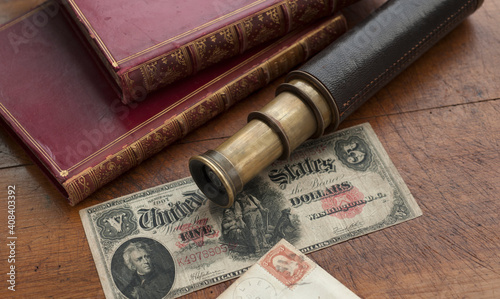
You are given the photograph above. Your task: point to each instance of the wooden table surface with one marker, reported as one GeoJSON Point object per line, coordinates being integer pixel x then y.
{"type": "Point", "coordinates": [440, 124]}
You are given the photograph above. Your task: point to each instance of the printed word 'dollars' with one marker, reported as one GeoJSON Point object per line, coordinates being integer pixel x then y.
{"type": "Point", "coordinates": [319, 194]}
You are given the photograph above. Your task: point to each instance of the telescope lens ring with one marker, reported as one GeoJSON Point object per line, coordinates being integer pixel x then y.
{"type": "Point", "coordinates": [211, 180]}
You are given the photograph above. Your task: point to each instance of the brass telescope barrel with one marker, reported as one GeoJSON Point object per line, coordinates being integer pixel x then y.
{"type": "Point", "coordinates": [328, 88]}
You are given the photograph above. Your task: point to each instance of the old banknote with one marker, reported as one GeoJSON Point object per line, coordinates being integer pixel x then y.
{"type": "Point", "coordinates": [170, 240]}
{"type": "Point", "coordinates": [286, 273]}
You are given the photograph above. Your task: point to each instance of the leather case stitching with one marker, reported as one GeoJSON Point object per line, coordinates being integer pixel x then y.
{"type": "Point", "coordinates": [415, 50]}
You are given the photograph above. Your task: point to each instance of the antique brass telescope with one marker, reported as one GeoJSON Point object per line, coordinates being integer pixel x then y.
{"type": "Point", "coordinates": [324, 91]}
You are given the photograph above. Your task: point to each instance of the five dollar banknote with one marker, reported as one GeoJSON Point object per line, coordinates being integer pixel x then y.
{"type": "Point", "coordinates": [170, 240]}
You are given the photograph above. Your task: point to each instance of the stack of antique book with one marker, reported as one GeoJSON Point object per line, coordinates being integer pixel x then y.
{"type": "Point", "coordinates": [92, 88]}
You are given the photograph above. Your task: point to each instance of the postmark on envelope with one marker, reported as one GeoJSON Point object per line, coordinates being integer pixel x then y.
{"type": "Point", "coordinates": [286, 265]}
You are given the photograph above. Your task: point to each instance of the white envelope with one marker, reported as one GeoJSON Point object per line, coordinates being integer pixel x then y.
{"type": "Point", "coordinates": [284, 272]}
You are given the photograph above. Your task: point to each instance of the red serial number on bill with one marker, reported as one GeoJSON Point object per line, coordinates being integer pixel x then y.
{"type": "Point", "coordinates": [204, 254]}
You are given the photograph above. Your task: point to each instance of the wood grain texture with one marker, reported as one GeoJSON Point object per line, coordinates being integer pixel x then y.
{"type": "Point", "coordinates": [439, 122]}
{"type": "Point", "coordinates": [10, 9]}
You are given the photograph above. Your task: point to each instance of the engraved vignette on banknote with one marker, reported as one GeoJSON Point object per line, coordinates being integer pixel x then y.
{"type": "Point", "coordinates": [170, 240]}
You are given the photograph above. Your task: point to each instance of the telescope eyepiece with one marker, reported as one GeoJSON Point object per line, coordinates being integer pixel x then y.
{"type": "Point", "coordinates": [212, 180]}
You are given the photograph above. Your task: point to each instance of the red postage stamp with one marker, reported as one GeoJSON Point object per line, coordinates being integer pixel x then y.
{"type": "Point", "coordinates": [287, 266]}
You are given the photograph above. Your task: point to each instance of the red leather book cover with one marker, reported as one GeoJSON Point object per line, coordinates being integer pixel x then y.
{"type": "Point", "coordinates": [146, 45]}
{"type": "Point", "coordinates": [59, 105]}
